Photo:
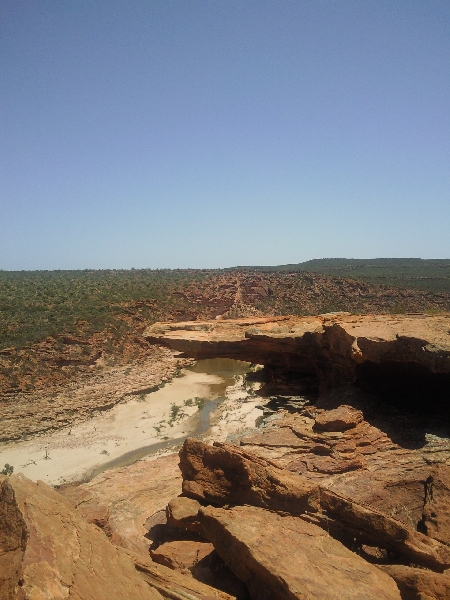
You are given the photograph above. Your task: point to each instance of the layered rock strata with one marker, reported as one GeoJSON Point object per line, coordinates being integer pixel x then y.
{"type": "Point", "coordinates": [334, 348]}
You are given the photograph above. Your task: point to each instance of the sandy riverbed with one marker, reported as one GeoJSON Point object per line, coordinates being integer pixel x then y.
{"type": "Point", "coordinates": [145, 426]}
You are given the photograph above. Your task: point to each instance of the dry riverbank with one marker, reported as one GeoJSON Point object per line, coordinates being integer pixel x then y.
{"type": "Point", "coordinates": [212, 405]}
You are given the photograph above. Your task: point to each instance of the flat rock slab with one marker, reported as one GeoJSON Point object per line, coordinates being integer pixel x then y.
{"type": "Point", "coordinates": [48, 551]}
{"type": "Point", "coordinates": [286, 558]}
{"type": "Point", "coordinates": [327, 345]}
{"type": "Point", "coordinates": [181, 555]}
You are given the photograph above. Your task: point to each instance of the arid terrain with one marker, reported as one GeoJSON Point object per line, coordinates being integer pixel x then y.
{"type": "Point", "coordinates": [86, 353]}
{"type": "Point", "coordinates": [323, 473]}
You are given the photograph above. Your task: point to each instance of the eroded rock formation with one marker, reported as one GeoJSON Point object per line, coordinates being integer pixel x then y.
{"type": "Point", "coordinates": [284, 557]}
{"type": "Point", "coordinates": [334, 349]}
{"type": "Point", "coordinates": [47, 550]}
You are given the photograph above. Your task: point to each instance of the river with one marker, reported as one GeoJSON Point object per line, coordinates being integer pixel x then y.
{"type": "Point", "coordinates": [208, 400]}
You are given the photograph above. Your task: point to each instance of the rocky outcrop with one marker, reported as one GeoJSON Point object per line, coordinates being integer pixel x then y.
{"type": "Point", "coordinates": [47, 550]}
{"type": "Point", "coordinates": [175, 585]}
{"type": "Point", "coordinates": [224, 474]}
{"type": "Point", "coordinates": [419, 584]}
{"type": "Point", "coordinates": [334, 348]}
{"type": "Point", "coordinates": [286, 558]}
{"type": "Point", "coordinates": [126, 502]}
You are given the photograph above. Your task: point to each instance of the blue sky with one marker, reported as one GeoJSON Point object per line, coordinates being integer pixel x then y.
{"type": "Point", "coordinates": [213, 133]}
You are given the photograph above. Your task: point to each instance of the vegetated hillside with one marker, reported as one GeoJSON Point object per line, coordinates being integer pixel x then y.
{"type": "Point", "coordinates": [431, 275]}
{"type": "Point", "coordinates": [55, 325]}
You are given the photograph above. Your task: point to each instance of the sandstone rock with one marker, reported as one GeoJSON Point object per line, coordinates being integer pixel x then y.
{"type": "Point", "coordinates": [286, 558]}
{"type": "Point", "coordinates": [362, 463]}
{"type": "Point", "coordinates": [183, 512]}
{"type": "Point", "coordinates": [174, 585]}
{"type": "Point", "coordinates": [122, 500]}
{"type": "Point", "coordinates": [419, 584]}
{"type": "Point", "coordinates": [339, 419]}
{"type": "Point", "coordinates": [225, 474]}
{"type": "Point", "coordinates": [329, 347]}
{"type": "Point", "coordinates": [181, 555]}
{"type": "Point", "coordinates": [436, 511]}
{"type": "Point", "coordinates": [48, 550]}
{"type": "Point", "coordinates": [200, 560]}
{"type": "Point", "coordinates": [347, 520]}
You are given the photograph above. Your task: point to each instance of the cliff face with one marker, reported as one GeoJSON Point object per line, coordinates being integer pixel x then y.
{"type": "Point", "coordinates": [333, 348]}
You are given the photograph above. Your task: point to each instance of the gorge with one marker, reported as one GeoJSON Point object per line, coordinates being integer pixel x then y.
{"type": "Point", "coordinates": [341, 490]}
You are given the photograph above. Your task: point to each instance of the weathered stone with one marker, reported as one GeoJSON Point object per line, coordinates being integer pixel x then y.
{"type": "Point", "coordinates": [183, 512]}
{"type": "Point", "coordinates": [225, 474]}
{"type": "Point", "coordinates": [339, 419]}
{"type": "Point", "coordinates": [436, 511]}
{"type": "Point", "coordinates": [174, 585]}
{"type": "Point", "coordinates": [200, 560]}
{"type": "Point", "coordinates": [347, 520]}
{"type": "Point", "coordinates": [329, 347]}
{"type": "Point", "coordinates": [121, 501]}
{"type": "Point", "coordinates": [287, 558]}
{"type": "Point", "coordinates": [48, 550]}
{"type": "Point", "coordinates": [419, 584]}
{"type": "Point", "coordinates": [181, 555]}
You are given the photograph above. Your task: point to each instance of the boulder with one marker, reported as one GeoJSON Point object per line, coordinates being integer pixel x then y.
{"type": "Point", "coordinates": [181, 555]}
{"type": "Point", "coordinates": [227, 475]}
{"type": "Point", "coordinates": [183, 512]}
{"type": "Point", "coordinates": [175, 585]}
{"type": "Point", "coordinates": [419, 584]}
{"type": "Point", "coordinates": [200, 560]}
{"type": "Point", "coordinates": [286, 558]}
{"type": "Point", "coordinates": [47, 550]}
{"type": "Point", "coordinates": [338, 419]}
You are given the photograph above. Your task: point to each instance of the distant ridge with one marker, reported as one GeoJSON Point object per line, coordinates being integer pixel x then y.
{"type": "Point", "coordinates": [431, 274]}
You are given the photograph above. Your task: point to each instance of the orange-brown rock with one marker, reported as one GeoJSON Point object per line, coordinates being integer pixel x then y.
{"type": "Point", "coordinates": [338, 419]}
{"type": "Point", "coordinates": [200, 560]}
{"type": "Point", "coordinates": [183, 512]}
{"type": "Point", "coordinates": [224, 474]}
{"type": "Point", "coordinates": [436, 511]}
{"type": "Point", "coordinates": [181, 555]}
{"type": "Point", "coordinates": [287, 558]}
{"type": "Point", "coordinates": [47, 550]}
{"type": "Point", "coordinates": [419, 584]}
{"type": "Point", "coordinates": [366, 464]}
{"type": "Point", "coordinates": [122, 501]}
{"type": "Point", "coordinates": [175, 585]}
{"type": "Point", "coordinates": [329, 347]}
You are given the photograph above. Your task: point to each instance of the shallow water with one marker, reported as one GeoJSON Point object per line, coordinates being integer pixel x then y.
{"type": "Point", "coordinates": [226, 369]}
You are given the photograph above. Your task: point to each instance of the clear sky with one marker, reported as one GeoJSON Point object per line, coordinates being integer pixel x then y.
{"type": "Point", "coordinates": [214, 133]}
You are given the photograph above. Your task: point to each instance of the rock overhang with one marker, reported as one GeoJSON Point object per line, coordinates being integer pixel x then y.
{"type": "Point", "coordinates": [334, 348]}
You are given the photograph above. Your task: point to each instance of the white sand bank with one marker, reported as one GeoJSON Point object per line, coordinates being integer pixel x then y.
{"type": "Point", "coordinates": [149, 423]}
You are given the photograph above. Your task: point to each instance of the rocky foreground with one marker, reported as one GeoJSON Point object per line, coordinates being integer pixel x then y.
{"type": "Point", "coordinates": [341, 494]}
